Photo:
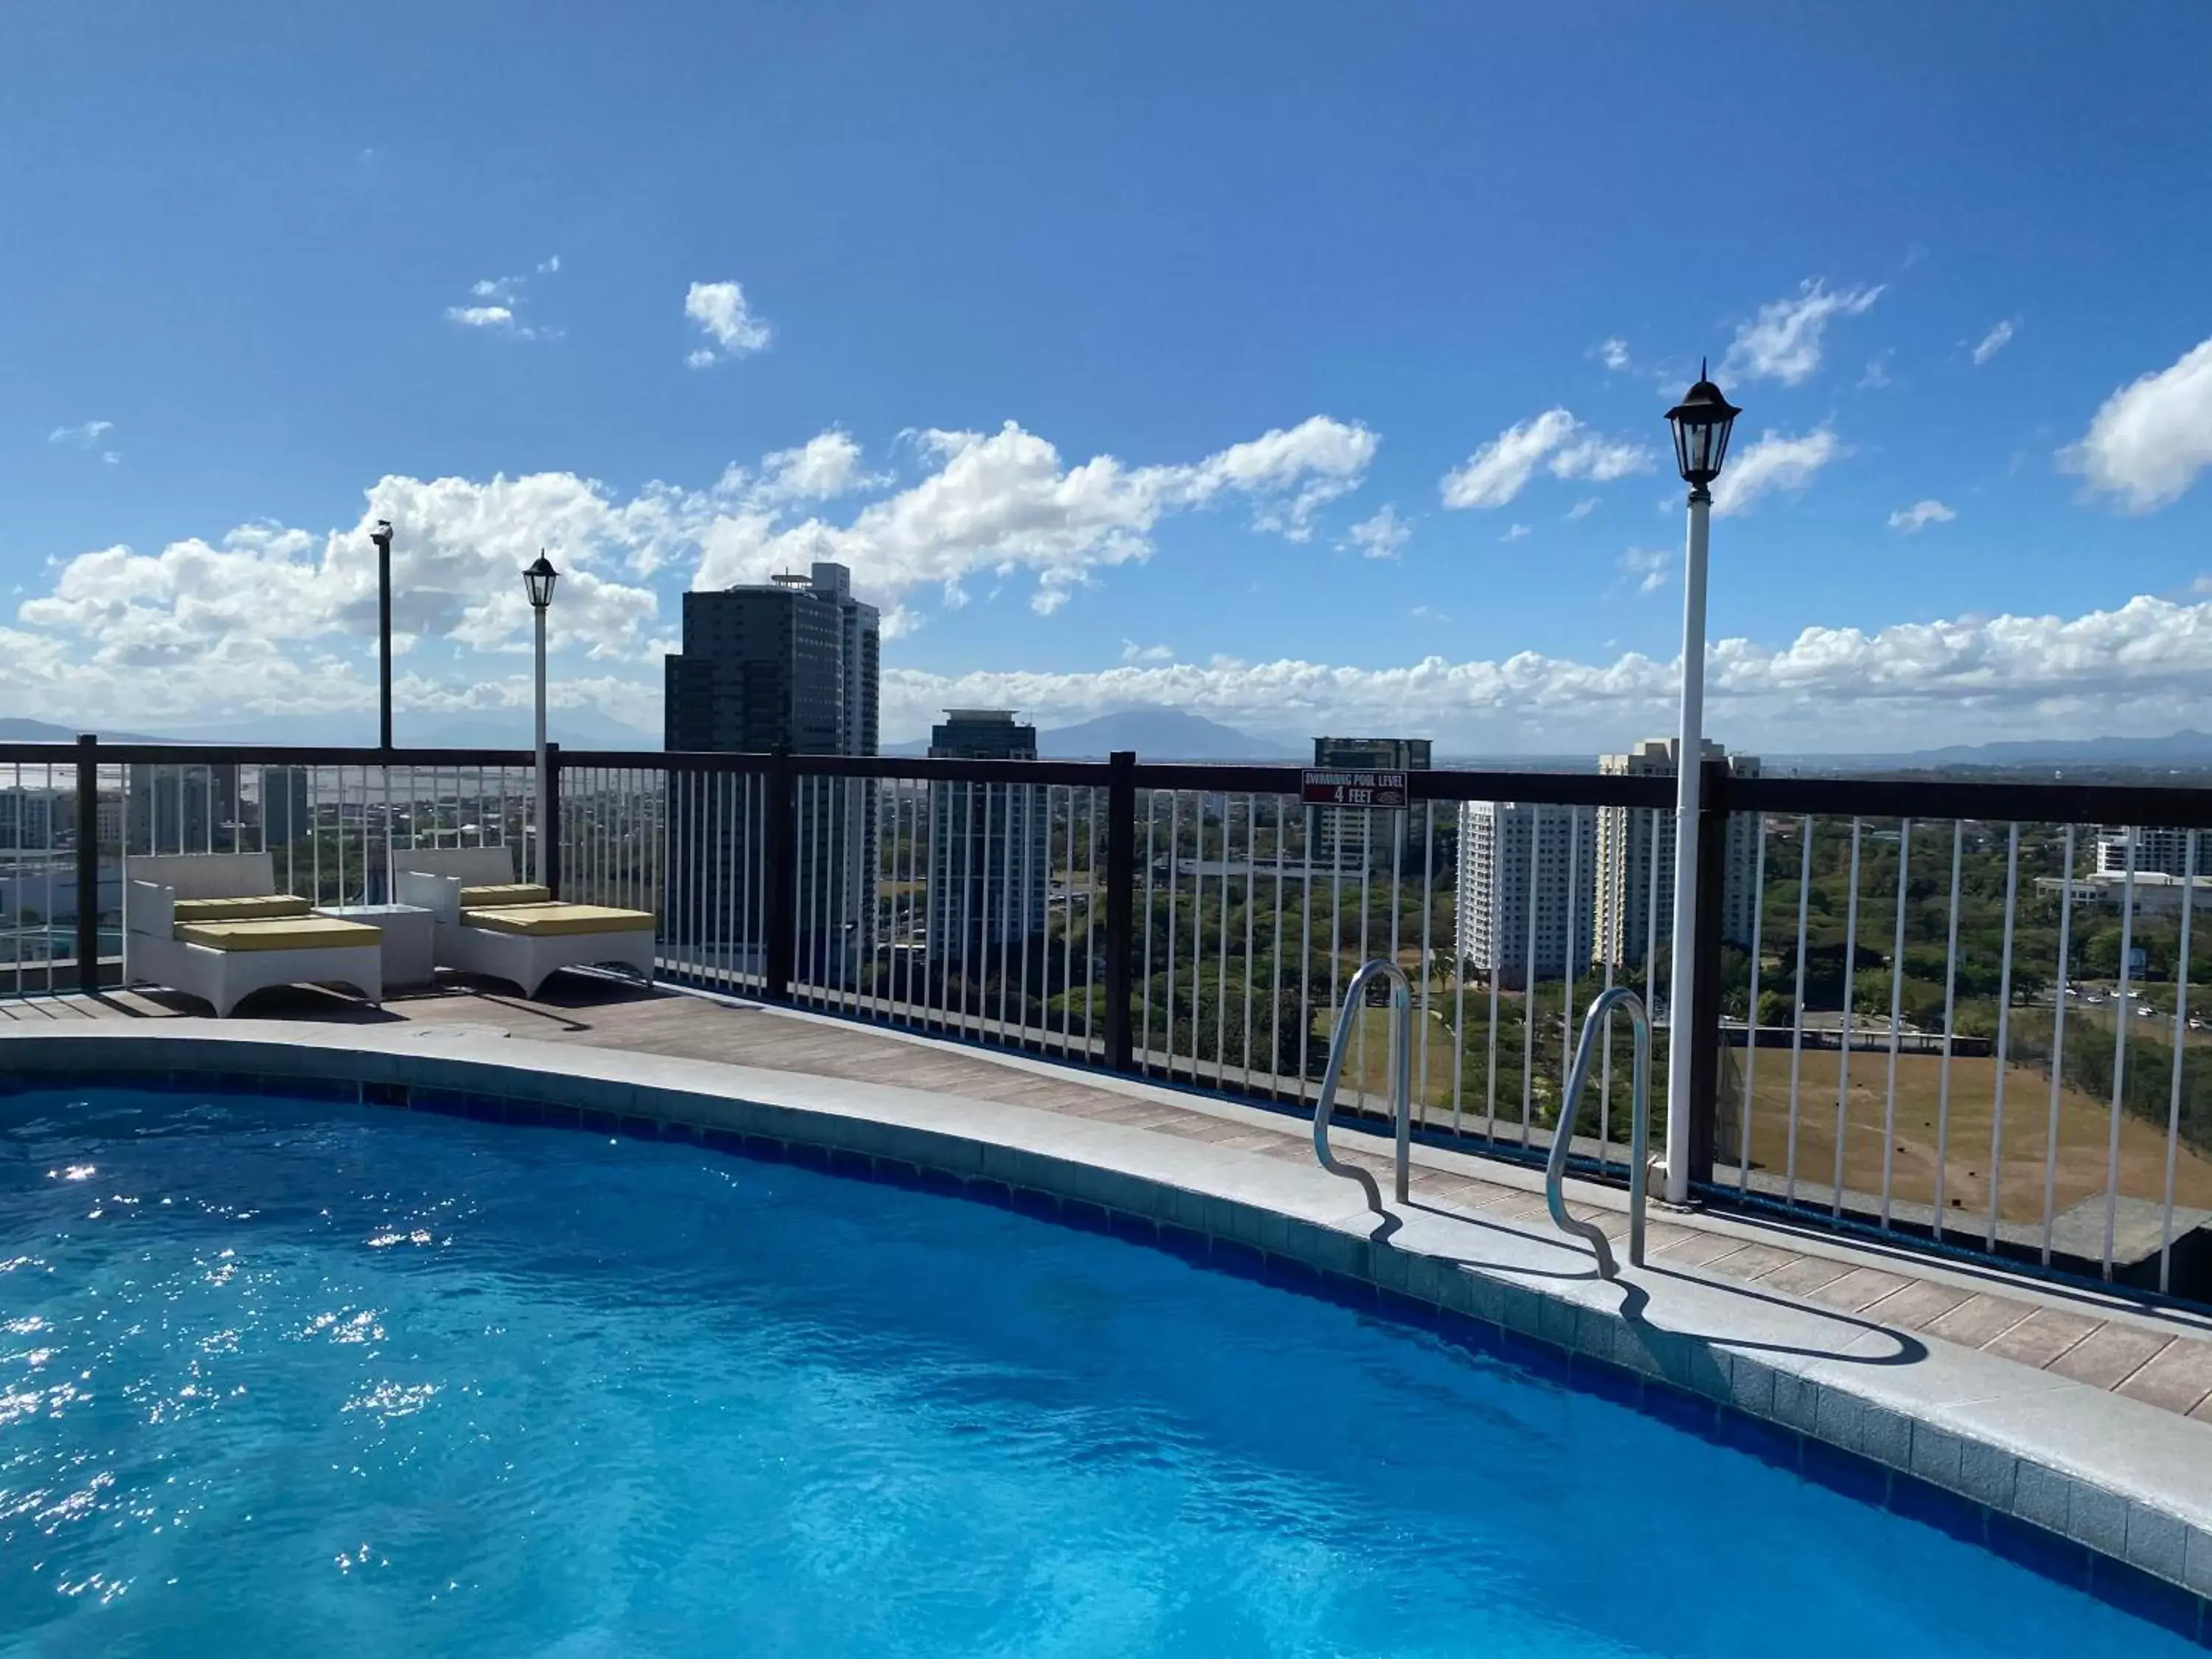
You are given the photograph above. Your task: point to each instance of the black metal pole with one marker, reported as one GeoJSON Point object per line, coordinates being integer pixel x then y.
{"type": "Point", "coordinates": [382, 536]}
{"type": "Point", "coordinates": [87, 863]}
{"type": "Point", "coordinates": [779, 876]}
{"type": "Point", "coordinates": [550, 829]}
{"type": "Point", "coordinates": [1120, 902]}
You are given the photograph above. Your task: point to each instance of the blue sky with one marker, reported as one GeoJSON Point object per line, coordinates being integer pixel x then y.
{"type": "Point", "coordinates": [1090, 337]}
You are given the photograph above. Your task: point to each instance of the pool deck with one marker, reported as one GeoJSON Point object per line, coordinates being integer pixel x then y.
{"type": "Point", "coordinates": [2084, 1412]}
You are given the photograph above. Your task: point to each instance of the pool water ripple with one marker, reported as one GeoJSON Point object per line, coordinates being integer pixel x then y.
{"type": "Point", "coordinates": [352, 1381]}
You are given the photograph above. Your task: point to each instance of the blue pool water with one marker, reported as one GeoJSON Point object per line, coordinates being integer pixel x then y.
{"type": "Point", "coordinates": [286, 1378]}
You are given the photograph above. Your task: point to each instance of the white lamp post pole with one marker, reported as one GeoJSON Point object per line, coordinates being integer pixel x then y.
{"type": "Point", "coordinates": [1702, 422]}
{"type": "Point", "coordinates": [1689, 776]}
{"type": "Point", "coordinates": [539, 578]}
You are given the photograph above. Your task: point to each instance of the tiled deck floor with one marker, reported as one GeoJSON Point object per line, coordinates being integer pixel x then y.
{"type": "Point", "coordinates": [2157, 1356]}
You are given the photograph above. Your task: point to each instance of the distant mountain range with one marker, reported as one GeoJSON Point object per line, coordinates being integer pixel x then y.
{"type": "Point", "coordinates": [1161, 734]}
{"type": "Point", "coordinates": [573, 728]}
{"type": "Point", "coordinates": [2185, 750]}
{"type": "Point", "coordinates": [1156, 734]}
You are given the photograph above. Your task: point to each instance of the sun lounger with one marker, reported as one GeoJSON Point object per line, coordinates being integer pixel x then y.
{"type": "Point", "coordinates": [214, 926]}
{"type": "Point", "coordinates": [489, 923]}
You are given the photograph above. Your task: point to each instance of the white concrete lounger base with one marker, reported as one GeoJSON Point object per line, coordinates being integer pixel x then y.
{"type": "Point", "coordinates": [152, 953]}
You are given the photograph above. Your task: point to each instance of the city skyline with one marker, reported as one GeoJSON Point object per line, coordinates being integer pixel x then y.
{"type": "Point", "coordinates": [1297, 434]}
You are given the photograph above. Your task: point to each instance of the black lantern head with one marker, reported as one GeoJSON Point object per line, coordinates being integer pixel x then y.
{"type": "Point", "coordinates": [540, 578]}
{"type": "Point", "coordinates": [1701, 422]}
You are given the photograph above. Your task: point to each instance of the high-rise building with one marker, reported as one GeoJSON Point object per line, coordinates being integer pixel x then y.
{"type": "Point", "coordinates": [181, 808]}
{"type": "Point", "coordinates": [990, 844]}
{"type": "Point", "coordinates": [2157, 849]}
{"type": "Point", "coordinates": [1635, 859]}
{"type": "Point", "coordinates": [794, 663]}
{"type": "Point", "coordinates": [1348, 837]}
{"type": "Point", "coordinates": [27, 820]}
{"type": "Point", "coordinates": [1518, 862]}
{"type": "Point", "coordinates": [286, 808]}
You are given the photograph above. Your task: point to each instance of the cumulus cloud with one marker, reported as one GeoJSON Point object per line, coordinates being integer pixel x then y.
{"type": "Point", "coordinates": [1776, 462]}
{"type": "Point", "coordinates": [87, 436]}
{"type": "Point", "coordinates": [1500, 468]}
{"type": "Point", "coordinates": [274, 617]}
{"type": "Point", "coordinates": [824, 467]}
{"type": "Point", "coordinates": [1132, 652]}
{"type": "Point", "coordinates": [1917, 517]}
{"type": "Point", "coordinates": [2142, 667]}
{"type": "Point", "coordinates": [1613, 352]}
{"type": "Point", "coordinates": [1993, 341]}
{"type": "Point", "coordinates": [1382, 536]}
{"type": "Point", "coordinates": [1782, 341]}
{"type": "Point", "coordinates": [720, 308]}
{"type": "Point", "coordinates": [1005, 502]}
{"type": "Point", "coordinates": [2151, 439]}
{"type": "Point", "coordinates": [1583, 508]}
{"type": "Point", "coordinates": [1514, 532]}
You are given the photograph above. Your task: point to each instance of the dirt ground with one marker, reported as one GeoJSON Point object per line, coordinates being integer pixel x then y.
{"type": "Point", "coordinates": [2084, 1129]}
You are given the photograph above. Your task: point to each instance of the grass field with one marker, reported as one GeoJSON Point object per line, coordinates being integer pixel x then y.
{"type": "Point", "coordinates": [2084, 1130]}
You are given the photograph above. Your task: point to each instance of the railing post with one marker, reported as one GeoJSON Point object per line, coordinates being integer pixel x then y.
{"type": "Point", "coordinates": [1703, 1027]}
{"type": "Point", "coordinates": [88, 862]}
{"type": "Point", "coordinates": [779, 876]}
{"type": "Point", "coordinates": [549, 833]}
{"type": "Point", "coordinates": [1120, 902]}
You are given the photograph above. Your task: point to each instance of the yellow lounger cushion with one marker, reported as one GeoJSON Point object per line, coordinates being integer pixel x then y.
{"type": "Point", "coordinates": [557, 920]}
{"type": "Point", "coordinates": [283, 933]}
{"type": "Point", "coordinates": [511, 892]}
{"type": "Point", "coordinates": [241, 909]}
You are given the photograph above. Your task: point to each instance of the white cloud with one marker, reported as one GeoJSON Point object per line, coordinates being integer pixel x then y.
{"type": "Point", "coordinates": [499, 310]}
{"type": "Point", "coordinates": [87, 436]}
{"type": "Point", "coordinates": [824, 467]}
{"type": "Point", "coordinates": [1131, 652]}
{"type": "Point", "coordinates": [1877, 371]}
{"type": "Point", "coordinates": [1602, 459]}
{"type": "Point", "coordinates": [1497, 471]}
{"type": "Point", "coordinates": [1382, 536]}
{"type": "Point", "coordinates": [1514, 532]}
{"type": "Point", "coordinates": [1613, 352]}
{"type": "Point", "coordinates": [720, 309]}
{"type": "Point", "coordinates": [498, 317]}
{"type": "Point", "coordinates": [2142, 667]}
{"type": "Point", "coordinates": [1648, 565]}
{"type": "Point", "coordinates": [110, 458]}
{"type": "Point", "coordinates": [1917, 517]}
{"type": "Point", "coordinates": [1993, 341]}
{"type": "Point", "coordinates": [1583, 508]}
{"type": "Point", "coordinates": [1428, 613]}
{"type": "Point", "coordinates": [2151, 439]}
{"type": "Point", "coordinates": [1782, 341]}
{"type": "Point", "coordinates": [1776, 462]}
{"type": "Point", "coordinates": [1003, 501]}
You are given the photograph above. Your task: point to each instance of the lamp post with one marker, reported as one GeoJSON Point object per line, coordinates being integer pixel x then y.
{"type": "Point", "coordinates": [382, 536]}
{"type": "Point", "coordinates": [1701, 422]}
{"type": "Point", "coordinates": [539, 578]}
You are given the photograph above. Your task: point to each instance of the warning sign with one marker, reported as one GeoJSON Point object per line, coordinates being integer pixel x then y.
{"type": "Point", "coordinates": [1334, 786]}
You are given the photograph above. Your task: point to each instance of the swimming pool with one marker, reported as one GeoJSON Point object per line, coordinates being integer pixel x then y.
{"type": "Point", "coordinates": [284, 1374]}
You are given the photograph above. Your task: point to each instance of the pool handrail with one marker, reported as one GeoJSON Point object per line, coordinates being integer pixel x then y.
{"type": "Point", "coordinates": [1639, 1133]}
{"type": "Point", "coordinates": [1401, 1048]}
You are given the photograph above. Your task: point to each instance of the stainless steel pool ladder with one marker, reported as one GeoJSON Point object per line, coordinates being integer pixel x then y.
{"type": "Point", "coordinates": [1402, 1075]}
{"type": "Point", "coordinates": [1639, 1133]}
